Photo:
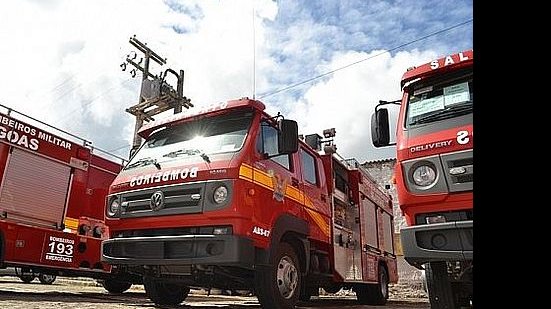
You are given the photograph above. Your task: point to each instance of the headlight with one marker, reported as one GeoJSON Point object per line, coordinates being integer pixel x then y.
{"type": "Point", "coordinates": [424, 175]}
{"type": "Point", "coordinates": [220, 194]}
{"type": "Point", "coordinates": [114, 207]}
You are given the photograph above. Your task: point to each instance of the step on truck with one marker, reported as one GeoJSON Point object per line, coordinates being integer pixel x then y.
{"type": "Point", "coordinates": [228, 197]}
{"type": "Point", "coordinates": [52, 195]}
{"type": "Point", "coordinates": [434, 173]}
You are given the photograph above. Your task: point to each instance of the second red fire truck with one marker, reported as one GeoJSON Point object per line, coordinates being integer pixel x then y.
{"type": "Point", "coordinates": [434, 174]}
{"type": "Point", "coordinates": [52, 191]}
{"type": "Point", "coordinates": [229, 197]}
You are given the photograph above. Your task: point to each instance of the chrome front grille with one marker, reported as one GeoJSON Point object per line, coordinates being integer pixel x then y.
{"type": "Point", "coordinates": [187, 198]}
{"type": "Point", "coordinates": [458, 168]}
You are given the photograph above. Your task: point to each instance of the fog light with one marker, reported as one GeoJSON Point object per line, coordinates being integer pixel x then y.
{"type": "Point", "coordinates": [214, 249]}
{"type": "Point", "coordinates": [439, 241]}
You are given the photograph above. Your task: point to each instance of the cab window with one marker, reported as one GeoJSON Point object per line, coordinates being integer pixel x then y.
{"type": "Point", "coordinates": [309, 168]}
{"type": "Point", "coordinates": [267, 144]}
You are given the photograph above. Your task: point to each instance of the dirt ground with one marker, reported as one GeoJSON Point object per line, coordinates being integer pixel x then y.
{"type": "Point", "coordinates": [85, 294]}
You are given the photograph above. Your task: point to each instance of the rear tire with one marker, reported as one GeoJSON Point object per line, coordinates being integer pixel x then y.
{"type": "Point", "coordinates": [374, 294]}
{"type": "Point", "coordinates": [162, 293]}
{"type": "Point", "coordinates": [26, 278]}
{"type": "Point", "coordinates": [439, 286]}
{"type": "Point", "coordinates": [46, 278]}
{"type": "Point", "coordinates": [115, 286]}
{"type": "Point", "coordinates": [279, 286]}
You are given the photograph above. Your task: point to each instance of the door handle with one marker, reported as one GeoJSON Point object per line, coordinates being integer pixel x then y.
{"type": "Point", "coordinates": [294, 182]}
{"type": "Point", "coordinates": [323, 198]}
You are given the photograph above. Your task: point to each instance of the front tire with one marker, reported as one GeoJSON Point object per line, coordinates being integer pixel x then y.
{"type": "Point", "coordinates": [279, 286]}
{"type": "Point", "coordinates": [46, 278]}
{"type": "Point", "coordinates": [115, 286]}
{"type": "Point", "coordinates": [162, 293]}
{"type": "Point", "coordinates": [439, 286]}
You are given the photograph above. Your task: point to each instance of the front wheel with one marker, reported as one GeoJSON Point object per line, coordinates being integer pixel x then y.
{"type": "Point", "coordinates": [439, 286]}
{"type": "Point", "coordinates": [279, 286]}
{"type": "Point", "coordinates": [115, 286]}
{"type": "Point", "coordinates": [162, 293]}
{"type": "Point", "coordinates": [46, 278]}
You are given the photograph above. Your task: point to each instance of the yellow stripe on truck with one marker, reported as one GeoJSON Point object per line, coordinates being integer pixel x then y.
{"type": "Point", "coordinates": [320, 222]}
{"type": "Point", "coordinates": [246, 172]}
{"type": "Point", "coordinates": [263, 179]}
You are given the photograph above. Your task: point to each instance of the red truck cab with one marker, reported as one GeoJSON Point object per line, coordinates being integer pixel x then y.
{"type": "Point", "coordinates": [434, 173]}
{"type": "Point", "coordinates": [229, 197]}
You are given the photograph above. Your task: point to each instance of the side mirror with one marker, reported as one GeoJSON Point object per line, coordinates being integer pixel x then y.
{"type": "Point", "coordinates": [288, 136]}
{"type": "Point", "coordinates": [380, 130]}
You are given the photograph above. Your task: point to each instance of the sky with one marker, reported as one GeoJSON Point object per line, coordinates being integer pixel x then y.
{"type": "Point", "coordinates": [61, 59]}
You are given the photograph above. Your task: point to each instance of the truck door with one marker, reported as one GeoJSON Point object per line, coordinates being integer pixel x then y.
{"type": "Point", "coordinates": [278, 186]}
{"type": "Point", "coordinates": [316, 201]}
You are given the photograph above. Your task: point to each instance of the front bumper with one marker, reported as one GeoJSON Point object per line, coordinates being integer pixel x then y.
{"type": "Point", "coordinates": [450, 241]}
{"type": "Point", "coordinates": [221, 250]}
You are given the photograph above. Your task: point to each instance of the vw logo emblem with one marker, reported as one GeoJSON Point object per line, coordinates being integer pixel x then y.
{"type": "Point", "coordinates": [157, 201]}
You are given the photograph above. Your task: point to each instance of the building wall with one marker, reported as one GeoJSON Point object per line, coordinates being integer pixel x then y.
{"type": "Point", "coordinates": [382, 172]}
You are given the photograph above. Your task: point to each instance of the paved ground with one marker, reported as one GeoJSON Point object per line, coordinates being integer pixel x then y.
{"type": "Point", "coordinates": [83, 294]}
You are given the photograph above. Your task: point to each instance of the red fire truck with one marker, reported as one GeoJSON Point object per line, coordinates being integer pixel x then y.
{"type": "Point", "coordinates": [228, 197]}
{"type": "Point", "coordinates": [52, 191]}
{"type": "Point", "coordinates": [434, 173]}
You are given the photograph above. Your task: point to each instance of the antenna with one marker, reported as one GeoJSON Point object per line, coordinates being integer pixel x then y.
{"type": "Point", "coordinates": [254, 56]}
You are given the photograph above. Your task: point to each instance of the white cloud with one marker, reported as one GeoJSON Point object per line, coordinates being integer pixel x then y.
{"type": "Point", "coordinates": [347, 99]}
{"type": "Point", "coordinates": [61, 58]}
{"type": "Point", "coordinates": [60, 61]}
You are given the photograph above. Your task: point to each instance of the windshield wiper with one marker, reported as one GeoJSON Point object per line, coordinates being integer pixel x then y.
{"type": "Point", "coordinates": [144, 162]}
{"type": "Point", "coordinates": [448, 112]}
{"type": "Point", "coordinates": [205, 157]}
{"type": "Point", "coordinates": [190, 152]}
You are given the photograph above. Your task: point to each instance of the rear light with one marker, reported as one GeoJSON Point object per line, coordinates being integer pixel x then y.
{"type": "Point", "coordinates": [83, 229]}
{"type": "Point", "coordinates": [100, 231]}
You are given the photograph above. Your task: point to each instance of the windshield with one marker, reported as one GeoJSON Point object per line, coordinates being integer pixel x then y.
{"type": "Point", "coordinates": [429, 102]}
{"type": "Point", "coordinates": [200, 138]}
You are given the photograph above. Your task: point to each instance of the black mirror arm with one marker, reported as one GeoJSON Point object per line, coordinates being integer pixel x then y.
{"type": "Point", "coordinates": [383, 102]}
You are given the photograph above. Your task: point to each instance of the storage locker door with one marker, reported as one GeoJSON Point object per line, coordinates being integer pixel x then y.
{"type": "Point", "coordinates": [387, 233]}
{"type": "Point", "coordinates": [34, 189]}
{"type": "Point", "coordinates": [370, 228]}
